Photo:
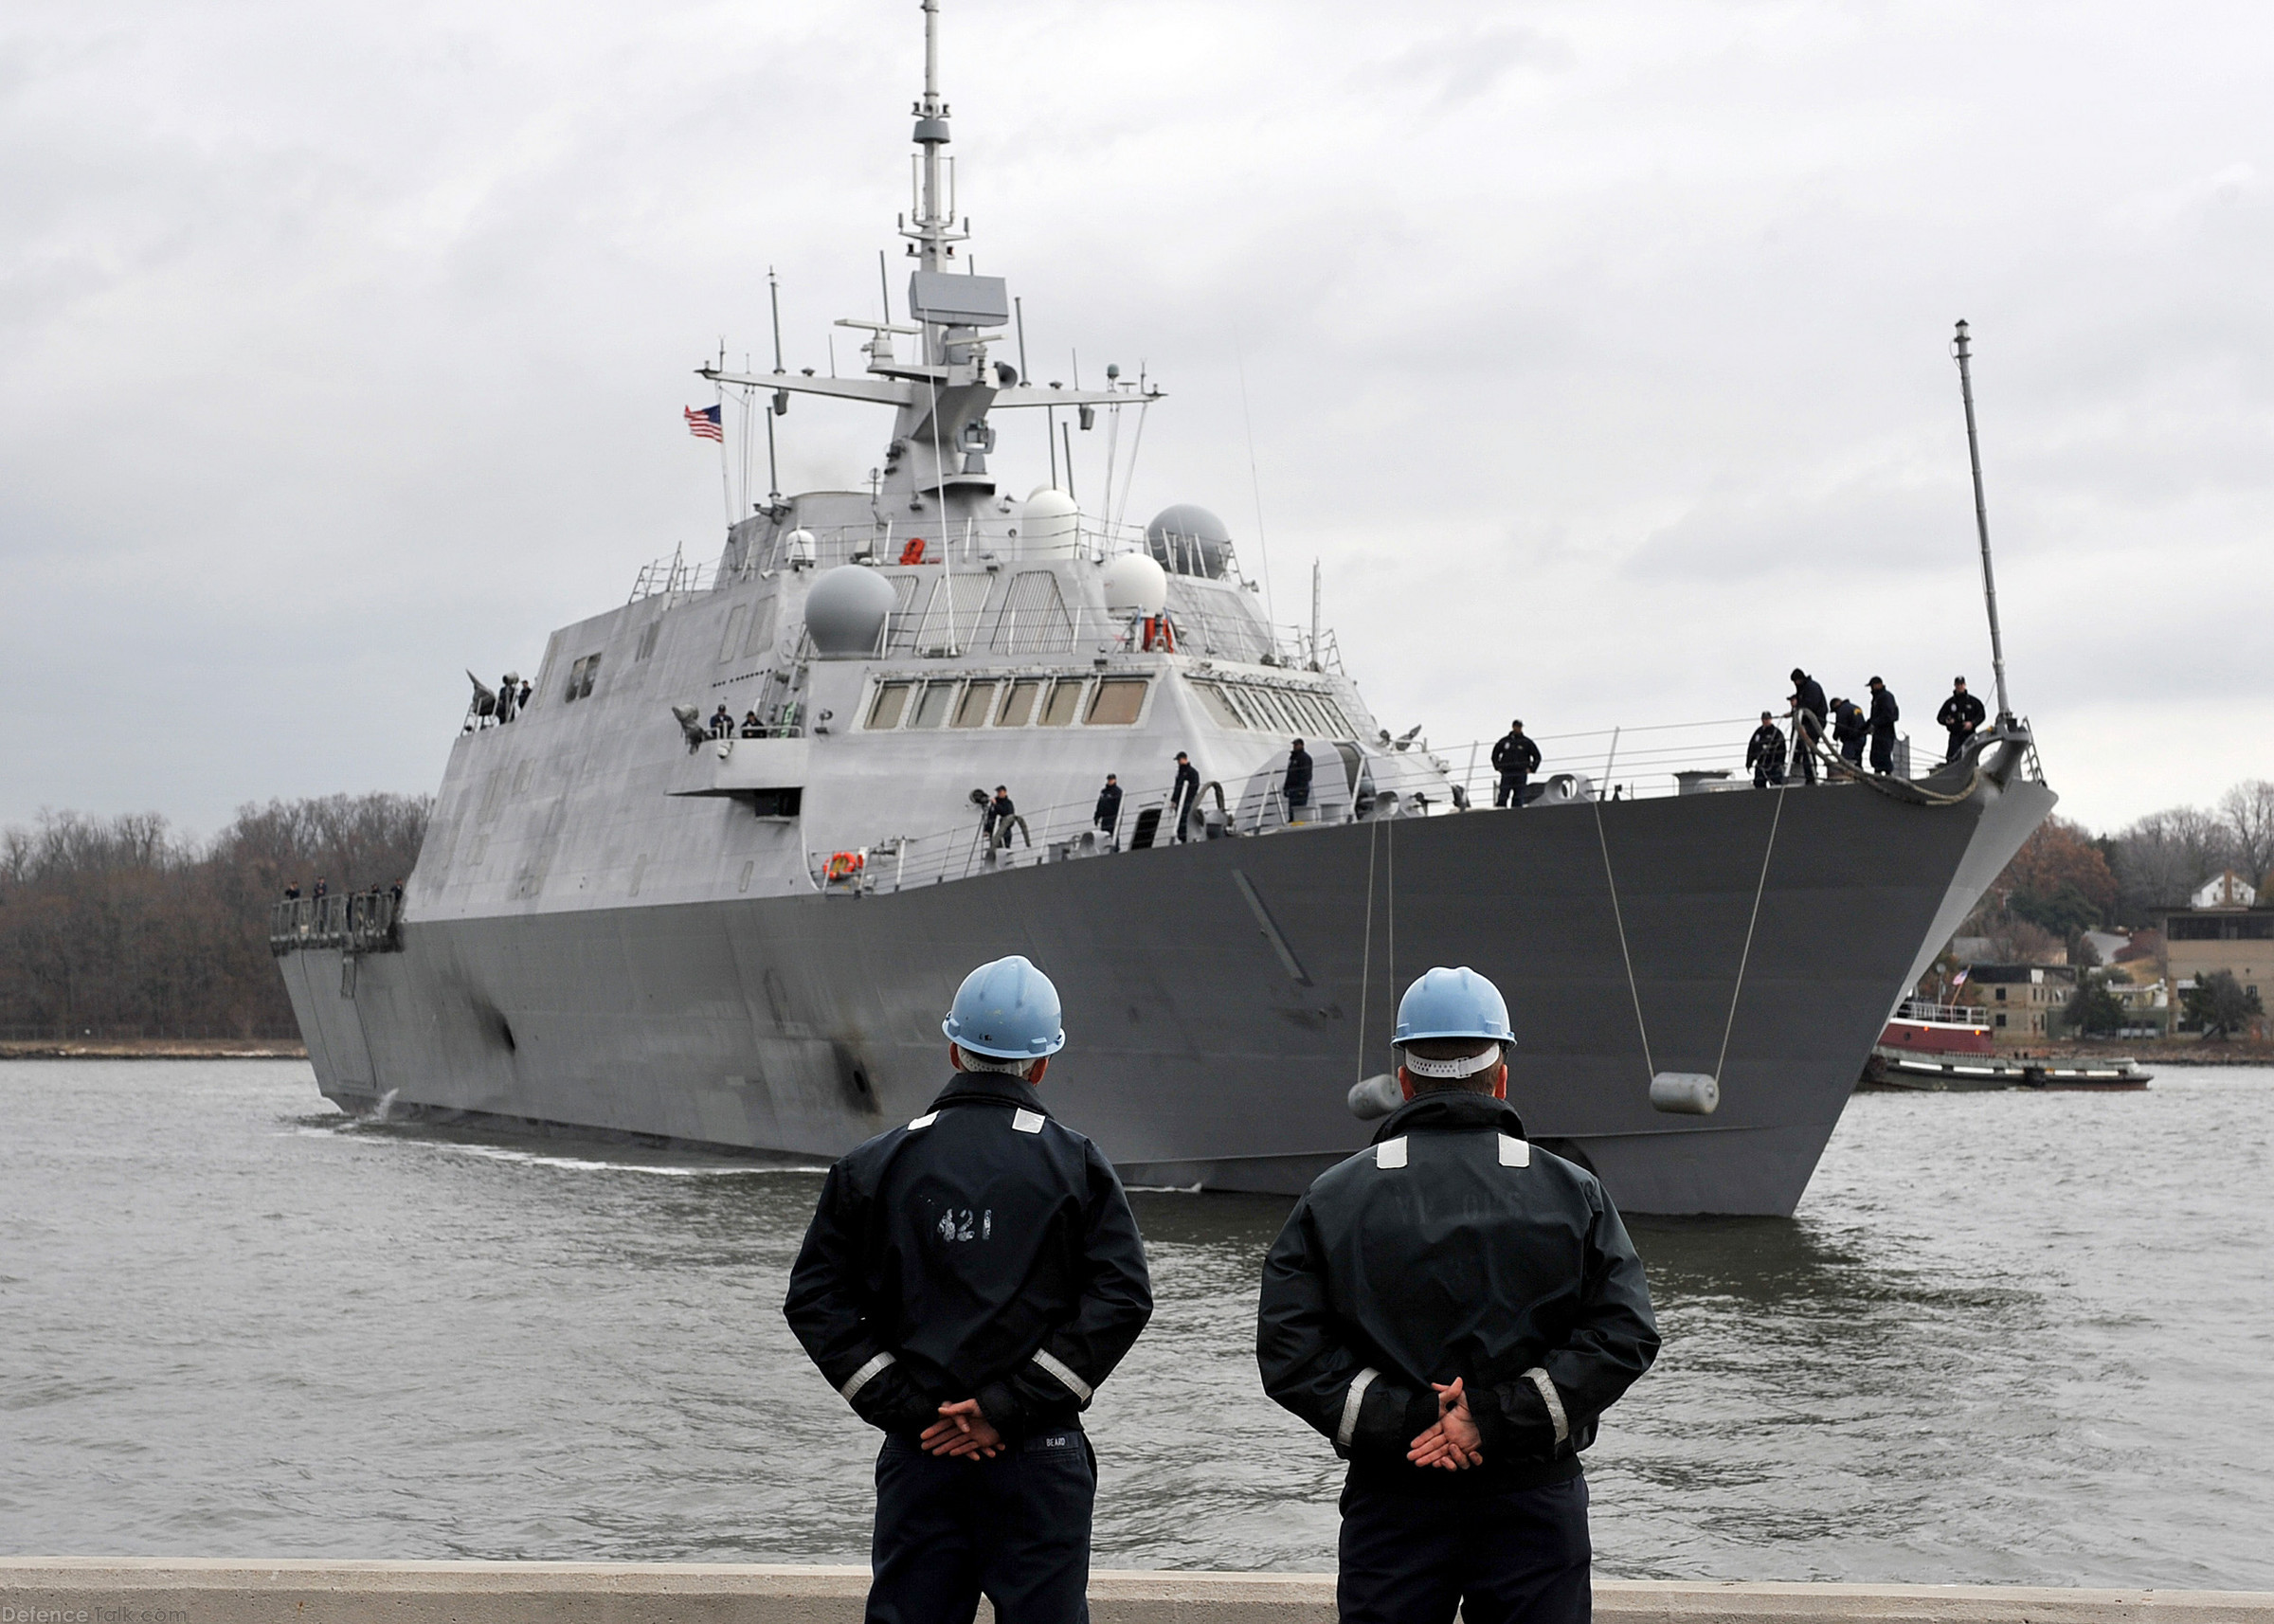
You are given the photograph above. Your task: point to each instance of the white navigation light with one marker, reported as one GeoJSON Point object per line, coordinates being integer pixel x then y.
{"type": "Point", "coordinates": [1189, 540]}
{"type": "Point", "coordinates": [845, 611]}
{"type": "Point", "coordinates": [1135, 585]}
{"type": "Point", "coordinates": [1049, 522]}
{"type": "Point", "coordinates": [797, 546]}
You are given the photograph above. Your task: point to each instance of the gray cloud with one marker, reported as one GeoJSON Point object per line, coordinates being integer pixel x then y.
{"type": "Point", "coordinates": [1599, 353]}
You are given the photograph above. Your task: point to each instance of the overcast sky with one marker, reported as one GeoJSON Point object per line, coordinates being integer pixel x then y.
{"type": "Point", "coordinates": [1599, 352]}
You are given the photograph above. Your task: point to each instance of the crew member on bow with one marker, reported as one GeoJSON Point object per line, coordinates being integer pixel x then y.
{"type": "Point", "coordinates": [1850, 728]}
{"type": "Point", "coordinates": [1455, 1308]}
{"type": "Point", "coordinates": [1885, 714]}
{"type": "Point", "coordinates": [1515, 758]}
{"type": "Point", "coordinates": [1764, 753]}
{"type": "Point", "coordinates": [1961, 713]}
{"type": "Point", "coordinates": [1808, 712]}
{"type": "Point", "coordinates": [966, 1283]}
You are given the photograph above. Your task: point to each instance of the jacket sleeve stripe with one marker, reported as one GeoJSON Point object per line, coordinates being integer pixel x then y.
{"type": "Point", "coordinates": [1539, 1379]}
{"type": "Point", "coordinates": [865, 1375]}
{"type": "Point", "coordinates": [1067, 1379]}
{"type": "Point", "coordinates": [1351, 1404]}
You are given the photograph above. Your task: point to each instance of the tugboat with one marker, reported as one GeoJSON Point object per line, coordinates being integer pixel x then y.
{"type": "Point", "coordinates": [717, 882]}
{"type": "Point", "coordinates": [1941, 1048]}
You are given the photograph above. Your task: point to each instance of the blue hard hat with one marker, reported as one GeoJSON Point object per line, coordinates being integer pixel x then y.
{"type": "Point", "coordinates": [1452, 1003]}
{"type": "Point", "coordinates": [1006, 1011]}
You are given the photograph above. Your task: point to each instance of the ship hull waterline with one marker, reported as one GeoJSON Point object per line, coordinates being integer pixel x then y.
{"type": "Point", "coordinates": [1216, 993]}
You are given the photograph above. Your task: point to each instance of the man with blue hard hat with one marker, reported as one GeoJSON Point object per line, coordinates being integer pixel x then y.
{"type": "Point", "coordinates": [966, 1283]}
{"type": "Point", "coordinates": [1455, 1308]}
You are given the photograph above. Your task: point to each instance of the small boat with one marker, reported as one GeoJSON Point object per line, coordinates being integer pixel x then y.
{"type": "Point", "coordinates": [1940, 1048]}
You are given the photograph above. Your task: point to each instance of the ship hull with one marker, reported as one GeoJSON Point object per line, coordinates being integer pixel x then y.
{"type": "Point", "coordinates": [1222, 997]}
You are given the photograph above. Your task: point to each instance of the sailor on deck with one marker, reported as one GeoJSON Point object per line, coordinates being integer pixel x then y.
{"type": "Point", "coordinates": [966, 1283]}
{"type": "Point", "coordinates": [1296, 784]}
{"type": "Point", "coordinates": [1183, 795]}
{"type": "Point", "coordinates": [1961, 713]}
{"type": "Point", "coordinates": [1764, 753]}
{"type": "Point", "coordinates": [1454, 1308]}
{"type": "Point", "coordinates": [1809, 710]}
{"type": "Point", "coordinates": [1885, 714]}
{"type": "Point", "coordinates": [1515, 757]}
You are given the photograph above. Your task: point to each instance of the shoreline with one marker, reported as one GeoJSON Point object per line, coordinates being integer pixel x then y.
{"type": "Point", "coordinates": [152, 1049]}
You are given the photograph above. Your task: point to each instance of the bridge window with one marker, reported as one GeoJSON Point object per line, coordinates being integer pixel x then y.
{"type": "Point", "coordinates": [932, 710]}
{"type": "Point", "coordinates": [1116, 702]}
{"type": "Point", "coordinates": [1218, 708]}
{"type": "Point", "coordinates": [1018, 705]}
{"type": "Point", "coordinates": [979, 698]}
{"type": "Point", "coordinates": [891, 699]}
{"type": "Point", "coordinates": [1065, 699]}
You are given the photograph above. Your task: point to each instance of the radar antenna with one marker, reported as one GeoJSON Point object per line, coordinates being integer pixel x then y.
{"type": "Point", "coordinates": [930, 229]}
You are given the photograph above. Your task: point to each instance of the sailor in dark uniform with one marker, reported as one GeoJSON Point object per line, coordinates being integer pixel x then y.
{"type": "Point", "coordinates": [1808, 712]}
{"type": "Point", "coordinates": [1183, 793]}
{"type": "Point", "coordinates": [1849, 728]}
{"type": "Point", "coordinates": [1764, 753]}
{"type": "Point", "coordinates": [1515, 758]}
{"type": "Point", "coordinates": [1296, 785]}
{"type": "Point", "coordinates": [1885, 714]}
{"type": "Point", "coordinates": [1455, 1308]}
{"type": "Point", "coordinates": [1108, 812]}
{"type": "Point", "coordinates": [966, 1283]}
{"type": "Point", "coordinates": [1961, 713]}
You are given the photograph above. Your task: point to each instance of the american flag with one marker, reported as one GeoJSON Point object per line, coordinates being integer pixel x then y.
{"type": "Point", "coordinates": [703, 422]}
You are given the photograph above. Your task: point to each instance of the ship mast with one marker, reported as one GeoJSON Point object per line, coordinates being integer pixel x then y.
{"type": "Point", "coordinates": [930, 229]}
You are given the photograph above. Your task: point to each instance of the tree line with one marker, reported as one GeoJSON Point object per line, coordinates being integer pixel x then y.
{"type": "Point", "coordinates": [2067, 880]}
{"type": "Point", "coordinates": [119, 928]}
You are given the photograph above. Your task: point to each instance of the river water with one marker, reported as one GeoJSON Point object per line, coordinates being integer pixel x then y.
{"type": "Point", "coordinates": [2009, 1337]}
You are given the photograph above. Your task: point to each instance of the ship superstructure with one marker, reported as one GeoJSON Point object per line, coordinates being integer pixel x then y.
{"type": "Point", "coordinates": [720, 876]}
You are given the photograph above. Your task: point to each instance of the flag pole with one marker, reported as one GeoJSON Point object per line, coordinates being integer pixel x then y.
{"type": "Point", "coordinates": [726, 483]}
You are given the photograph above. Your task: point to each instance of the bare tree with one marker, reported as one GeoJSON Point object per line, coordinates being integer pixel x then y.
{"type": "Point", "coordinates": [117, 926]}
{"type": "Point", "coordinates": [2247, 810]}
{"type": "Point", "coordinates": [2161, 860]}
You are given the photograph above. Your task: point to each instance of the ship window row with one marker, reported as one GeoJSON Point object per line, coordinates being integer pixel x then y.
{"type": "Point", "coordinates": [1007, 702]}
{"type": "Point", "coordinates": [581, 675]}
{"type": "Point", "coordinates": [1266, 710]}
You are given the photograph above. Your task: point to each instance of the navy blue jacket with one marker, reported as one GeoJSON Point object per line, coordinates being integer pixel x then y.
{"type": "Point", "coordinates": [981, 1252]}
{"type": "Point", "coordinates": [1455, 1248]}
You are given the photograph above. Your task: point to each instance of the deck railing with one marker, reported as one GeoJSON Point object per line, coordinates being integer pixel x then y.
{"type": "Point", "coordinates": [353, 922]}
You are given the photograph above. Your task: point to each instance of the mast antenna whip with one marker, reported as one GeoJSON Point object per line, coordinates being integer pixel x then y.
{"type": "Point", "coordinates": [1962, 349]}
{"type": "Point", "coordinates": [781, 404]}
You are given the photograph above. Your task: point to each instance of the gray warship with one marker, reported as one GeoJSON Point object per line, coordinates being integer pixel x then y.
{"type": "Point", "coordinates": [627, 920]}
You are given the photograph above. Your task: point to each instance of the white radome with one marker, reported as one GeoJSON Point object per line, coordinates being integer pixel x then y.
{"type": "Point", "coordinates": [1049, 521]}
{"type": "Point", "coordinates": [1135, 585]}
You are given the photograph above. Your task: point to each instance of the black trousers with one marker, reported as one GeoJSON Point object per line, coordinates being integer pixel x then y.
{"type": "Point", "coordinates": [1519, 1557]}
{"type": "Point", "coordinates": [1882, 752]}
{"type": "Point", "coordinates": [1016, 1529]}
{"type": "Point", "coordinates": [1957, 742]}
{"type": "Point", "coordinates": [1509, 791]}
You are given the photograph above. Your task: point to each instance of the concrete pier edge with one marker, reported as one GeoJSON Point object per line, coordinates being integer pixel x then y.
{"type": "Point", "coordinates": [164, 1589]}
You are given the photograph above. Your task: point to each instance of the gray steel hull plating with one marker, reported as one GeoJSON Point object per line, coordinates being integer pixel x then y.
{"type": "Point", "coordinates": [1202, 1050]}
